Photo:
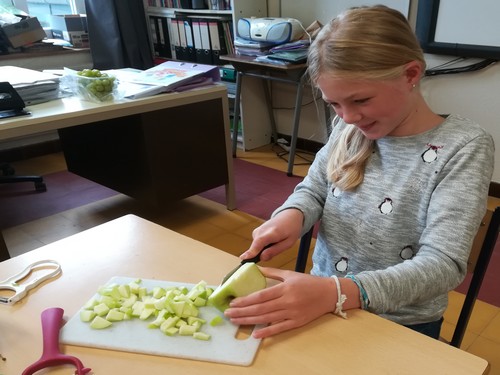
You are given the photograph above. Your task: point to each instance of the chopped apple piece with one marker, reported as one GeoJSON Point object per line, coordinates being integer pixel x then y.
{"type": "Point", "coordinates": [99, 323]}
{"type": "Point", "coordinates": [201, 336]}
{"type": "Point", "coordinates": [101, 309]}
{"type": "Point", "coordinates": [187, 330]}
{"type": "Point", "coordinates": [87, 315]}
{"type": "Point", "coordinates": [216, 321]}
{"type": "Point", "coordinates": [115, 315]}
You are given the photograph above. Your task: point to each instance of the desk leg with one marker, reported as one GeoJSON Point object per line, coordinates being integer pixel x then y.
{"type": "Point", "coordinates": [236, 114]}
{"type": "Point", "coordinates": [270, 110]}
{"type": "Point", "coordinates": [295, 129]}
{"type": "Point", "coordinates": [4, 252]}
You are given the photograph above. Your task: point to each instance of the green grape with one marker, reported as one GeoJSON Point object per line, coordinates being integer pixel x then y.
{"type": "Point", "coordinates": [97, 84]}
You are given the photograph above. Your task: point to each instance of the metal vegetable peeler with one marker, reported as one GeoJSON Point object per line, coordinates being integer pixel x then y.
{"type": "Point", "coordinates": [51, 356]}
{"type": "Point", "coordinates": [20, 289]}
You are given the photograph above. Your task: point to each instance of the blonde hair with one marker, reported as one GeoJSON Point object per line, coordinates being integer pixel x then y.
{"type": "Point", "coordinates": [366, 43]}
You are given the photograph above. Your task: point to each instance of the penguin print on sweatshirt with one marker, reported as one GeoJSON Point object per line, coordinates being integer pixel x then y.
{"type": "Point", "coordinates": [342, 265]}
{"type": "Point", "coordinates": [386, 206]}
{"type": "Point", "coordinates": [431, 154]}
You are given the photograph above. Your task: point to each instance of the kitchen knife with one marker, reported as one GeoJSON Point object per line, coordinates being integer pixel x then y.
{"type": "Point", "coordinates": [255, 259]}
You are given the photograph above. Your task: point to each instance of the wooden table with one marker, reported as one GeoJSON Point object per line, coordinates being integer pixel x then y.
{"type": "Point", "coordinates": [131, 246]}
{"type": "Point", "coordinates": [156, 149]}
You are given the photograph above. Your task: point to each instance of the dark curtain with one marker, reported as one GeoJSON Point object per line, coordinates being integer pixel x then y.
{"type": "Point", "coordinates": [118, 34]}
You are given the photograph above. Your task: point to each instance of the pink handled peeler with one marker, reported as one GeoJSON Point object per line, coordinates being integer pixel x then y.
{"type": "Point", "coordinates": [51, 356]}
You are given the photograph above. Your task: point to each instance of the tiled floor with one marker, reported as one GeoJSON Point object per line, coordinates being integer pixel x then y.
{"type": "Point", "coordinates": [230, 231]}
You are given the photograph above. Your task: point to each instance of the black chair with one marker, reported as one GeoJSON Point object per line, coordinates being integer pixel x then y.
{"type": "Point", "coordinates": [477, 265]}
{"type": "Point", "coordinates": [11, 105]}
{"type": "Point", "coordinates": [478, 268]}
{"type": "Point", "coordinates": [8, 176]}
{"type": "Point", "coordinates": [303, 253]}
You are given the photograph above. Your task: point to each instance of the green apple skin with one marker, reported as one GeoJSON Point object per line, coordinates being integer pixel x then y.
{"type": "Point", "coordinates": [246, 280]}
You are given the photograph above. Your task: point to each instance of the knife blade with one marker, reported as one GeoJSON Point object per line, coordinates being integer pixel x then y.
{"type": "Point", "coordinates": [255, 259]}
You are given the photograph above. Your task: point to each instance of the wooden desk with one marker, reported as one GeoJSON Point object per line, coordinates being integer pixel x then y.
{"type": "Point", "coordinates": [131, 246]}
{"type": "Point", "coordinates": [157, 149]}
{"type": "Point", "coordinates": [292, 74]}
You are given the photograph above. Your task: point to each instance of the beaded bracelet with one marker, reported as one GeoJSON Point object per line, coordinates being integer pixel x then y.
{"type": "Point", "coordinates": [363, 296]}
{"type": "Point", "coordinates": [341, 298]}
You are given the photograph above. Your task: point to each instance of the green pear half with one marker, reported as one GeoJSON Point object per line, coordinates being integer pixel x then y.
{"type": "Point", "coordinates": [246, 280]}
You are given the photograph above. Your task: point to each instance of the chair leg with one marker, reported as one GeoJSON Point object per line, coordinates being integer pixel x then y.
{"type": "Point", "coordinates": [303, 254]}
{"type": "Point", "coordinates": [477, 278]}
{"type": "Point", "coordinates": [37, 181]}
{"type": "Point", "coordinates": [9, 176]}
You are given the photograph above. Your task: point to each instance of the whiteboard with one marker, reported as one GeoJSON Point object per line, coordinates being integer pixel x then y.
{"type": "Point", "coordinates": [467, 22]}
{"type": "Point", "coordinates": [325, 10]}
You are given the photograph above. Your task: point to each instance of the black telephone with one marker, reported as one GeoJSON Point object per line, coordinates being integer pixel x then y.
{"type": "Point", "coordinates": [11, 104]}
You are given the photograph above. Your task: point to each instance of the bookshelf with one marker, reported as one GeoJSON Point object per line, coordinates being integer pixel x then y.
{"type": "Point", "coordinates": [189, 33]}
{"type": "Point", "coordinates": [164, 19]}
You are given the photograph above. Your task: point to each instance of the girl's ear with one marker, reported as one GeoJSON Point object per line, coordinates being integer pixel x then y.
{"type": "Point", "coordinates": [413, 72]}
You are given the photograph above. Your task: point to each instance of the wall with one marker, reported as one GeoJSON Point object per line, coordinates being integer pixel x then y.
{"type": "Point", "coordinates": [475, 95]}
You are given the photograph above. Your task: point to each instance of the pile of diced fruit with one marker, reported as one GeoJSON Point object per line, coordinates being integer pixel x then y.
{"type": "Point", "coordinates": [173, 310]}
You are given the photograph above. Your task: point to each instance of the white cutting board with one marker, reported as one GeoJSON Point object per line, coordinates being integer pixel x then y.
{"type": "Point", "coordinates": [134, 336]}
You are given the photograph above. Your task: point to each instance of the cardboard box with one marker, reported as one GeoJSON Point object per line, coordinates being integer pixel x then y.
{"type": "Point", "coordinates": [24, 32]}
{"type": "Point", "coordinates": [72, 28]}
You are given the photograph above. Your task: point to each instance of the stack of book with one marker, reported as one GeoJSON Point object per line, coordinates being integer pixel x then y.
{"type": "Point", "coordinates": [252, 48]}
{"type": "Point", "coordinates": [32, 86]}
{"type": "Point", "coordinates": [167, 77]}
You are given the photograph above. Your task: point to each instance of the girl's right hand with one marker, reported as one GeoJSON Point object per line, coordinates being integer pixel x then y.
{"type": "Point", "coordinates": [282, 231]}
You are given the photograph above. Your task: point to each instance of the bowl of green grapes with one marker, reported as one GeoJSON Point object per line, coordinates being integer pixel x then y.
{"type": "Point", "coordinates": [95, 85]}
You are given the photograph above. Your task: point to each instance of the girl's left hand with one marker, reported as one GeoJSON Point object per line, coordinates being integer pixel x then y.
{"type": "Point", "coordinates": [295, 301]}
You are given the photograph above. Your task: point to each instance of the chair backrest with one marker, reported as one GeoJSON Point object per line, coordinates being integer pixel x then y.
{"type": "Point", "coordinates": [303, 254]}
{"type": "Point", "coordinates": [479, 259]}
{"type": "Point", "coordinates": [477, 265]}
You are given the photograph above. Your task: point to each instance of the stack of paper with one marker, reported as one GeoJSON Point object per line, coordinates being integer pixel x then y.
{"type": "Point", "coordinates": [32, 86]}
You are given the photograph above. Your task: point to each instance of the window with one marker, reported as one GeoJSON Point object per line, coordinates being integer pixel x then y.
{"type": "Point", "coordinates": [43, 9]}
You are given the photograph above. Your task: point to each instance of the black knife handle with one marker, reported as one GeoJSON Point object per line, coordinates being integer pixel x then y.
{"type": "Point", "coordinates": [256, 258]}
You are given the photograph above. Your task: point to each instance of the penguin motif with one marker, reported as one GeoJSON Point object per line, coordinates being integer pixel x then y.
{"type": "Point", "coordinates": [342, 264]}
{"type": "Point", "coordinates": [336, 192]}
{"type": "Point", "coordinates": [386, 206]}
{"type": "Point", "coordinates": [430, 154]}
{"type": "Point", "coordinates": [406, 253]}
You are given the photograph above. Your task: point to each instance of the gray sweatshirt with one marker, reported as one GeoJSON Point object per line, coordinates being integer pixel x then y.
{"type": "Point", "coordinates": [406, 232]}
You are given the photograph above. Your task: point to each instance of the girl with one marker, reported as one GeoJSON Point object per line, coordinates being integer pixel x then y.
{"type": "Point", "coordinates": [399, 190]}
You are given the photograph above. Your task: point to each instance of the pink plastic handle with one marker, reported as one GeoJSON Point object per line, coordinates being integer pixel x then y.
{"type": "Point", "coordinates": [51, 356]}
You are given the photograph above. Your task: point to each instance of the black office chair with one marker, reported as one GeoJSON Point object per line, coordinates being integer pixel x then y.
{"type": "Point", "coordinates": [477, 266]}
{"type": "Point", "coordinates": [9, 176]}
{"type": "Point", "coordinates": [12, 105]}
